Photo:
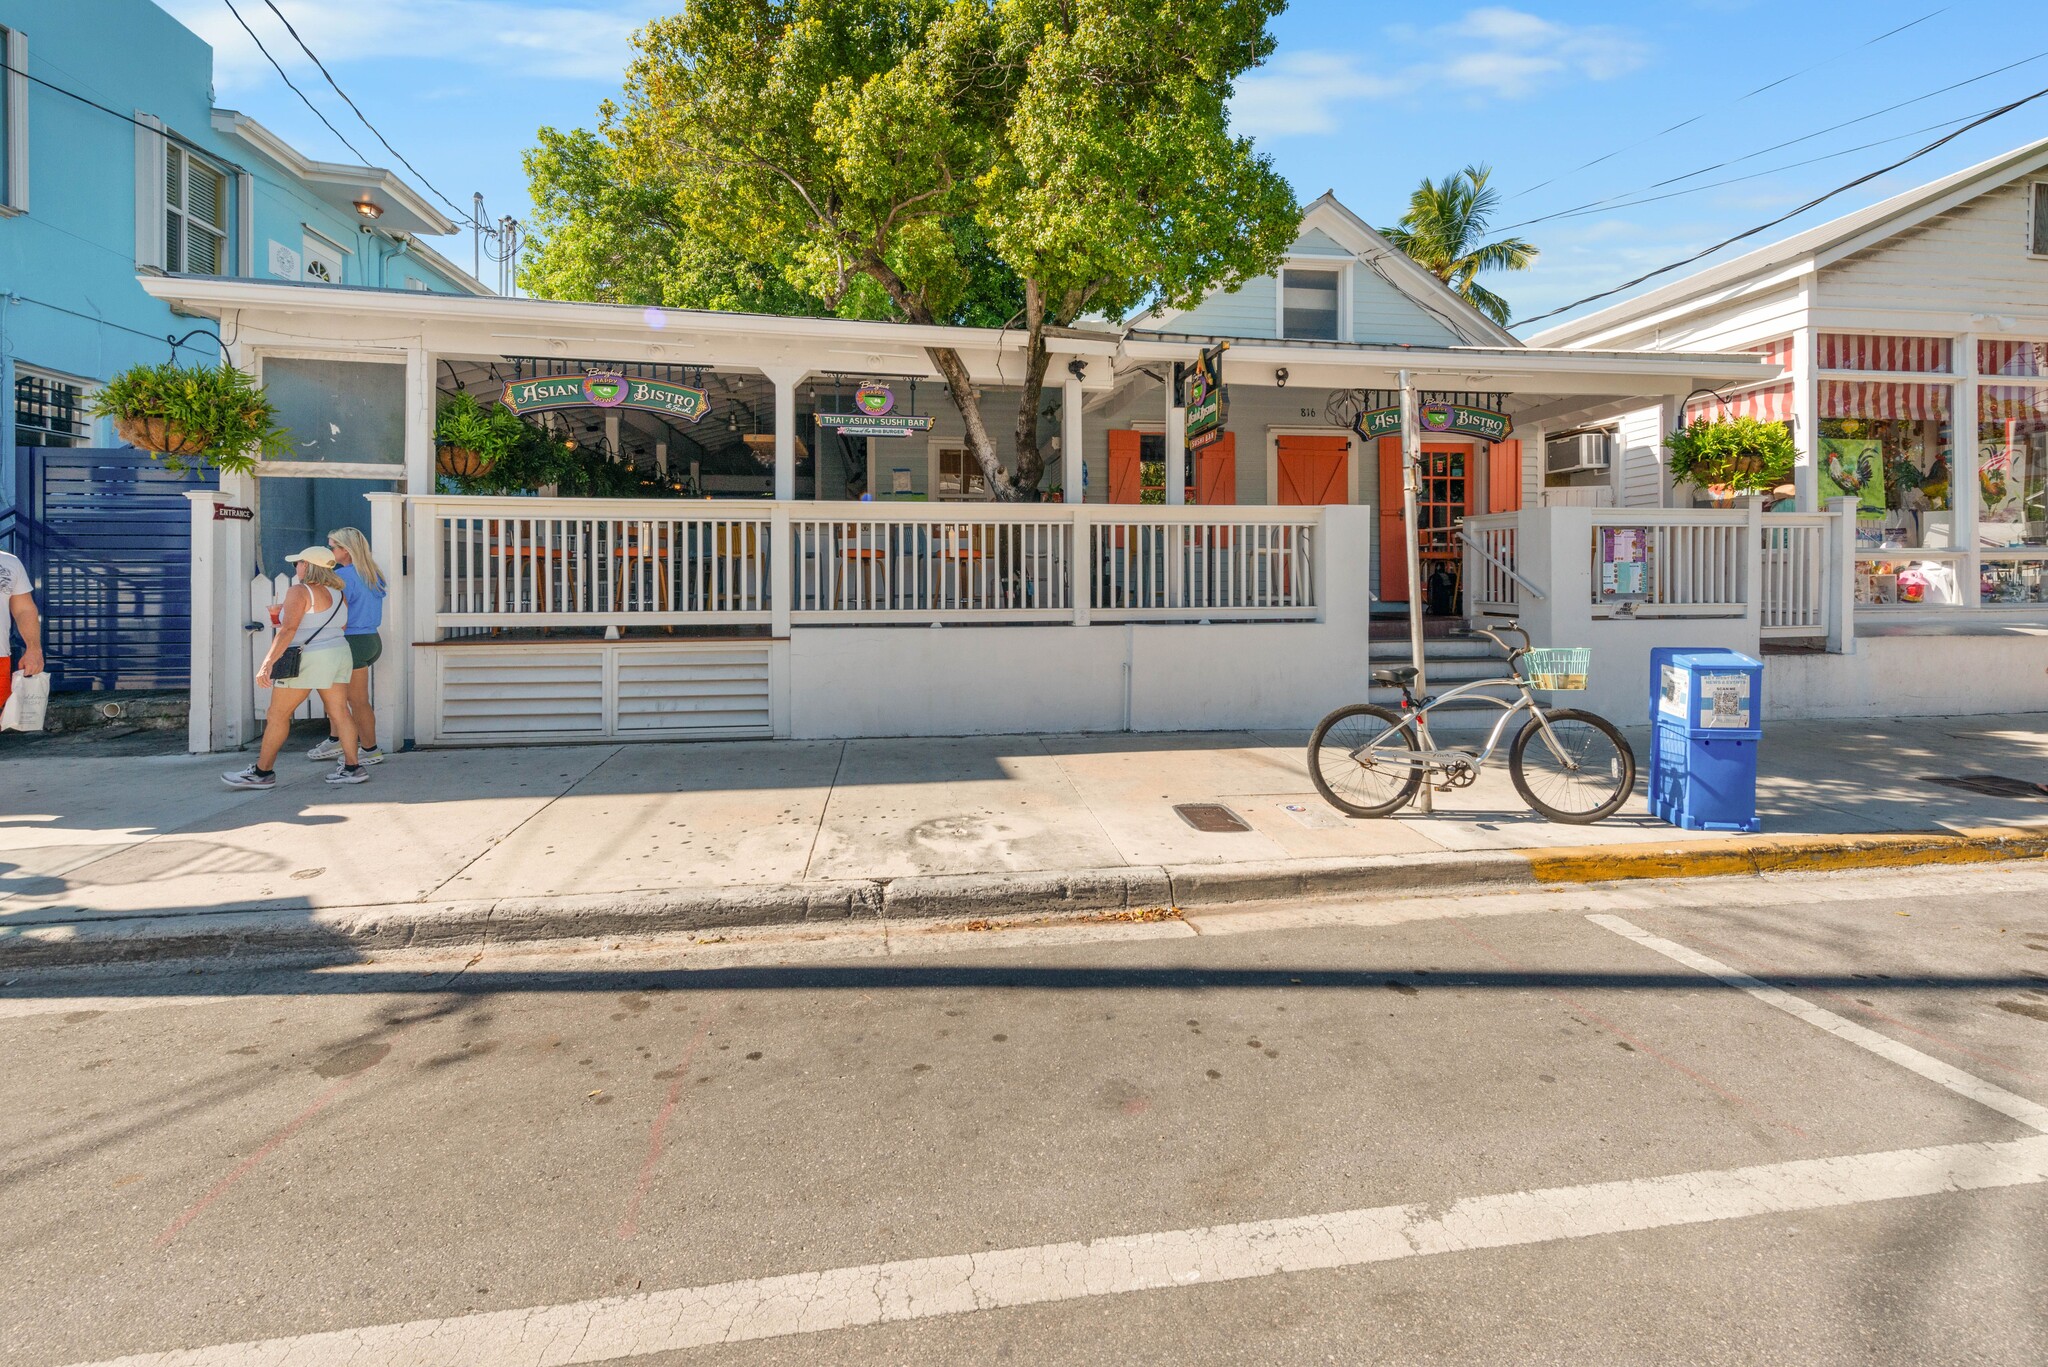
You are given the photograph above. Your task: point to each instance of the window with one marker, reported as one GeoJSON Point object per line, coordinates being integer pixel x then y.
{"type": "Point", "coordinates": [1308, 304]}
{"type": "Point", "coordinates": [347, 411]}
{"type": "Point", "coordinates": [14, 123]}
{"type": "Point", "coordinates": [195, 214]}
{"type": "Point", "coordinates": [49, 411]}
{"type": "Point", "coordinates": [960, 474]}
{"type": "Point", "coordinates": [2037, 235]}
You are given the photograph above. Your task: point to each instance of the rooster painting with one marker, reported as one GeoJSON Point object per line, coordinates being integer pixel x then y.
{"type": "Point", "coordinates": [1850, 482]}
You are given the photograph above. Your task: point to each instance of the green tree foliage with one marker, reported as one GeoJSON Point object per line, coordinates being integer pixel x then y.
{"type": "Point", "coordinates": [1020, 162]}
{"type": "Point", "coordinates": [1443, 231]}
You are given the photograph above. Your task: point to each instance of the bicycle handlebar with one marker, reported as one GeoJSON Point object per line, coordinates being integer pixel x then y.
{"type": "Point", "coordinates": [1471, 631]}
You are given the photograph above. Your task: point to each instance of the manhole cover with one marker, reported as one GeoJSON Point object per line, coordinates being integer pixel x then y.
{"type": "Point", "coordinates": [1212, 817]}
{"type": "Point", "coordinates": [1989, 785]}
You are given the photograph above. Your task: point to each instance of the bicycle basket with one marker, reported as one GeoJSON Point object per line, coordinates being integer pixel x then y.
{"type": "Point", "coordinates": [1557, 668]}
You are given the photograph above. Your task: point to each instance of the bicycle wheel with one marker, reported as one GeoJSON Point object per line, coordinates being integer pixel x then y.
{"type": "Point", "coordinates": [1586, 778]}
{"type": "Point", "coordinates": [1378, 782]}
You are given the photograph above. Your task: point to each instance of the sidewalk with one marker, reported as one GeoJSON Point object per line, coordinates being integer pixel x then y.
{"type": "Point", "coordinates": [115, 857]}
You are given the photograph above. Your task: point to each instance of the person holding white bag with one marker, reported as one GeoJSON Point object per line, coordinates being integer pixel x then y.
{"type": "Point", "coordinates": [17, 589]}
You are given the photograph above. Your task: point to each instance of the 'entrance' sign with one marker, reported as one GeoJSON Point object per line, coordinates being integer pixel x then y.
{"type": "Point", "coordinates": [607, 390]}
{"type": "Point", "coordinates": [1438, 419]}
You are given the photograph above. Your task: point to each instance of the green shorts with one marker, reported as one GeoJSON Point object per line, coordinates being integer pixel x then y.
{"type": "Point", "coordinates": [365, 649]}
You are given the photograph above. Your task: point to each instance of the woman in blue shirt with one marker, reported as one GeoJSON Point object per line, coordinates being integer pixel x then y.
{"type": "Point", "coordinates": [363, 585]}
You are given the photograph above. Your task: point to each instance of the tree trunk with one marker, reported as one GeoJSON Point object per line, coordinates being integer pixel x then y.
{"type": "Point", "coordinates": [1030, 461]}
{"type": "Point", "coordinates": [953, 370]}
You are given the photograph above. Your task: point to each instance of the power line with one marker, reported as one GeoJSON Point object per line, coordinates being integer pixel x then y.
{"type": "Point", "coordinates": [288, 81]}
{"type": "Point", "coordinates": [1771, 85]}
{"type": "Point", "coordinates": [1818, 200]}
{"type": "Point", "coordinates": [271, 5]}
{"type": "Point", "coordinates": [173, 343]}
{"type": "Point", "coordinates": [1789, 142]}
{"type": "Point", "coordinates": [124, 118]}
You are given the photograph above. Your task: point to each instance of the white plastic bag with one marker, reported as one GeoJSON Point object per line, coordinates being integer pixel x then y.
{"type": "Point", "coordinates": [27, 703]}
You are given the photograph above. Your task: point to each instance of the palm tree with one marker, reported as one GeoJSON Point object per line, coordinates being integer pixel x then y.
{"type": "Point", "coordinates": [1442, 230]}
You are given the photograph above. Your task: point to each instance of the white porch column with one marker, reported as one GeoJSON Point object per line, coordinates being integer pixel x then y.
{"type": "Point", "coordinates": [1073, 457]}
{"type": "Point", "coordinates": [1806, 417]}
{"type": "Point", "coordinates": [1176, 446]}
{"type": "Point", "coordinates": [419, 421]}
{"type": "Point", "coordinates": [216, 627]}
{"type": "Point", "coordinates": [1841, 579]}
{"type": "Point", "coordinates": [785, 382]}
{"type": "Point", "coordinates": [391, 676]}
{"type": "Point", "coordinates": [1964, 503]}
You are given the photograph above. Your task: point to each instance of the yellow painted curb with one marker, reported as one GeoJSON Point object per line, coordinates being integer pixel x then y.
{"type": "Point", "coordinates": [1785, 854]}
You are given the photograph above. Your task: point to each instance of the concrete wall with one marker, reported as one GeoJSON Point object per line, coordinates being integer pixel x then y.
{"type": "Point", "coordinates": [1913, 676]}
{"type": "Point", "coordinates": [905, 681]}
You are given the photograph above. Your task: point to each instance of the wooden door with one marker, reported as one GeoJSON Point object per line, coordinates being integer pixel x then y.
{"type": "Point", "coordinates": [1393, 534]}
{"type": "Point", "coordinates": [1126, 466]}
{"type": "Point", "coordinates": [1312, 470]}
{"type": "Point", "coordinates": [1504, 477]}
{"type": "Point", "coordinates": [1216, 472]}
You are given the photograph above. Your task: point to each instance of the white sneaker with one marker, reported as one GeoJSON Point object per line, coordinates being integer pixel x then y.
{"type": "Point", "coordinates": [343, 774]}
{"type": "Point", "coordinates": [249, 778]}
{"type": "Point", "coordinates": [366, 754]}
{"type": "Point", "coordinates": [326, 749]}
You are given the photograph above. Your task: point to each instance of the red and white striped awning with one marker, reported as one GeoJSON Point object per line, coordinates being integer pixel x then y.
{"type": "Point", "coordinates": [2015, 403]}
{"type": "Point", "coordinates": [1876, 400]}
{"type": "Point", "coordinates": [2000, 357]}
{"type": "Point", "coordinates": [1770, 402]}
{"type": "Point", "coordinates": [1861, 351]}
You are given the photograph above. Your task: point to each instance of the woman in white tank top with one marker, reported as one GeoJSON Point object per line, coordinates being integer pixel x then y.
{"type": "Point", "coordinates": [314, 618]}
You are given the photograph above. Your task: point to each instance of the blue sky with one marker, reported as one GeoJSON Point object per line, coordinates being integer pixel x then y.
{"type": "Point", "coordinates": [1358, 99]}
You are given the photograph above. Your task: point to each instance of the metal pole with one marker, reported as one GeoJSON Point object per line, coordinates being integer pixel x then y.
{"type": "Point", "coordinates": [476, 235]}
{"type": "Point", "coordinates": [1411, 459]}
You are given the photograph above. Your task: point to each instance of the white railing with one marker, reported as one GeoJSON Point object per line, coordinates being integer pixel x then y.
{"type": "Point", "coordinates": [1490, 567]}
{"type": "Point", "coordinates": [1697, 559]}
{"type": "Point", "coordinates": [1201, 563]}
{"type": "Point", "coordinates": [1793, 596]}
{"type": "Point", "coordinates": [521, 562]}
{"type": "Point", "coordinates": [863, 563]}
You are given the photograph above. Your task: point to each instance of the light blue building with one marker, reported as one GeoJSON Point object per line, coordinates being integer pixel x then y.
{"type": "Point", "coordinates": [115, 161]}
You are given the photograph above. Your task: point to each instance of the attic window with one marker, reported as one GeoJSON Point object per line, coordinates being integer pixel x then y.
{"type": "Point", "coordinates": [2037, 237]}
{"type": "Point", "coordinates": [1308, 304]}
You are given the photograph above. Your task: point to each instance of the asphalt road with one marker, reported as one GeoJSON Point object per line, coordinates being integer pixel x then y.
{"type": "Point", "coordinates": [1480, 1130]}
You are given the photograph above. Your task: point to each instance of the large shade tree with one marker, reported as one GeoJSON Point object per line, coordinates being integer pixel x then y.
{"type": "Point", "coordinates": [931, 160]}
{"type": "Point", "coordinates": [1444, 231]}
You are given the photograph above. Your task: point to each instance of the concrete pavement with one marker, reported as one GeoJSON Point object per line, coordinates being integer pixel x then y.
{"type": "Point", "coordinates": [117, 856]}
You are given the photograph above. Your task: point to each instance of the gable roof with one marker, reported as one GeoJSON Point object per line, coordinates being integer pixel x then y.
{"type": "Point", "coordinates": [1327, 221]}
{"type": "Point", "coordinates": [1816, 247]}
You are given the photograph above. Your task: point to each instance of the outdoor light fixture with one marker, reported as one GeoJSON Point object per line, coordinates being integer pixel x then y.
{"type": "Point", "coordinates": [369, 208]}
{"type": "Point", "coordinates": [1280, 377]}
{"type": "Point", "coordinates": [1078, 369]}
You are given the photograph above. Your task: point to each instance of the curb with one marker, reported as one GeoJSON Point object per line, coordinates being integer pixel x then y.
{"type": "Point", "coordinates": [74, 939]}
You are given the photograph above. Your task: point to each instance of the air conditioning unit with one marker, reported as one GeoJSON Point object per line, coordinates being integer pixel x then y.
{"type": "Point", "coordinates": [1575, 452]}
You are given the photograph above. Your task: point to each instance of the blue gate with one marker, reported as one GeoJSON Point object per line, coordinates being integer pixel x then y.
{"type": "Point", "coordinates": [107, 536]}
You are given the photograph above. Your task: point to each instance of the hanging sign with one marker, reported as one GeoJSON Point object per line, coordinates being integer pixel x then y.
{"type": "Point", "coordinates": [874, 415]}
{"type": "Point", "coordinates": [607, 389]}
{"type": "Point", "coordinates": [228, 512]}
{"type": "Point", "coordinates": [1205, 398]}
{"type": "Point", "coordinates": [1438, 420]}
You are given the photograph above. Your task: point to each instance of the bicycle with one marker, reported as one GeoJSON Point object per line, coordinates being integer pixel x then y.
{"type": "Point", "coordinates": [1370, 761]}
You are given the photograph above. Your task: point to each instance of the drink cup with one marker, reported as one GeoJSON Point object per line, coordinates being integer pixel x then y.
{"type": "Point", "coordinates": [276, 610]}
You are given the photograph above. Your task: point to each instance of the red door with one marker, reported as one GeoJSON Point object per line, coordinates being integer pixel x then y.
{"type": "Point", "coordinates": [1216, 472]}
{"type": "Point", "coordinates": [1312, 470]}
{"type": "Point", "coordinates": [1126, 468]}
{"type": "Point", "coordinates": [1504, 477]}
{"type": "Point", "coordinates": [1393, 535]}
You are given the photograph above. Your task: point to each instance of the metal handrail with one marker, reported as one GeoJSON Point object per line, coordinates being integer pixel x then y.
{"type": "Point", "coordinates": [1503, 566]}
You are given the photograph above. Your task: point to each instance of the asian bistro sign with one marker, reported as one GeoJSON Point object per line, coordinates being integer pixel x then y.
{"type": "Point", "coordinates": [1438, 420]}
{"type": "Point", "coordinates": [607, 389]}
{"type": "Point", "coordinates": [874, 415]}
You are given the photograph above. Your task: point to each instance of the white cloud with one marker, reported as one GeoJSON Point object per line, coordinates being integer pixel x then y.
{"type": "Point", "coordinates": [529, 39]}
{"type": "Point", "coordinates": [1490, 53]}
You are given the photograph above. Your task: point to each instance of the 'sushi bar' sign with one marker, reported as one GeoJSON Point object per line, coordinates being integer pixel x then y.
{"type": "Point", "coordinates": [606, 391]}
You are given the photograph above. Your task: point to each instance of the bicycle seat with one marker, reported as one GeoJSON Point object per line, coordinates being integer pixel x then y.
{"type": "Point", "coordinates": [1399, 677]}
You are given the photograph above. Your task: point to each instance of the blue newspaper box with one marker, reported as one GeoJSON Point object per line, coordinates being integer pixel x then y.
{"type": "Point", "coordinates": [1706, 715]}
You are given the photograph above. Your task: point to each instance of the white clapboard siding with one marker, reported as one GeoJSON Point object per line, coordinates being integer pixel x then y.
{"type": "Point", "coordinates": [693, 691]}
{"type": "Point", "coordinates": [642, 690]}
{"type": "Point", "coordinates": [531, 693]}
{"type": "Point", "coordinates": [1970, 260]}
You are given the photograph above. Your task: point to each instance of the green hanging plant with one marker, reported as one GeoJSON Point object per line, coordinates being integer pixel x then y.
{"type": "Point", "coordinates": [471, 438]}
{"type": "Point", "coordinates": [1741, 455]}
{"type": "Point", "coordinates": [214, 415]}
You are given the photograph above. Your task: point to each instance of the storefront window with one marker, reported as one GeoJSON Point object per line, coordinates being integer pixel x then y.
{"type": "Point", "coordinates": [351, 411]}
{"type": "Point", "coordinates": [2012, 464]}
{"type": "Point", "coordinates": [2012, 583]}
{"type": "Point", "coordinates": [1890, 447]}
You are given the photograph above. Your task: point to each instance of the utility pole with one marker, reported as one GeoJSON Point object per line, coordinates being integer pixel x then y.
{"type": "Point", "coordinates": [476, 235]}
{"type": "Point", "coordinates": [1411, 460]}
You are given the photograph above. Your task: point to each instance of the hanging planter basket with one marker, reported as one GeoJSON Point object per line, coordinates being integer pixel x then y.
{"type": "Point", "coordinates": [162, 437]}
{"type": "Point", "coordinates": [463, 463]}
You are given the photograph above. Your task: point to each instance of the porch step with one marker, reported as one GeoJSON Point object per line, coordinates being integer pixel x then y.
{"type": "Point", "coordinates": [1448, 664]}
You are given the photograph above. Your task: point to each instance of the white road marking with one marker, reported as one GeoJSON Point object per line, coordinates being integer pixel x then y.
{"type": "Point", "coordinates": [2029, 1113]}
{"type": "Point", "coordinates": [927, 1288]}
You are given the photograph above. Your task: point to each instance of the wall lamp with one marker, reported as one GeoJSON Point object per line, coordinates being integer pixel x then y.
{"type": "Point", "coordinates": [369, 208]}
{"type": "Point", "coordinates": [1078, 369]}
{"type": "Point", "coordinates": [1280, 377]}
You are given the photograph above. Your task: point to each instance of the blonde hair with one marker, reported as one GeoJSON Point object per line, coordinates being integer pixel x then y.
{"type": "Point", "coordinates": [318, 575]}
{"type": "Point", "coordinates": [358, 547]}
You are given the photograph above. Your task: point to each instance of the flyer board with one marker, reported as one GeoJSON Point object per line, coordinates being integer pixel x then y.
{"type": "Point", "coordinates": [1623, 572]}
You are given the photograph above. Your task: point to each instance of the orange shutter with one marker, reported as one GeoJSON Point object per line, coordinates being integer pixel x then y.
{"type": "Point", "coordinates": [1216, 472]}
{"type": "Point", "coordinates": [1312, 470]}
{"type": "Point", "coordinates": [1504, 477]}
{"type": "Point", "coordinates": [1393, 536]}
{"type": "Point", "coordinates": [1125, 472]}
